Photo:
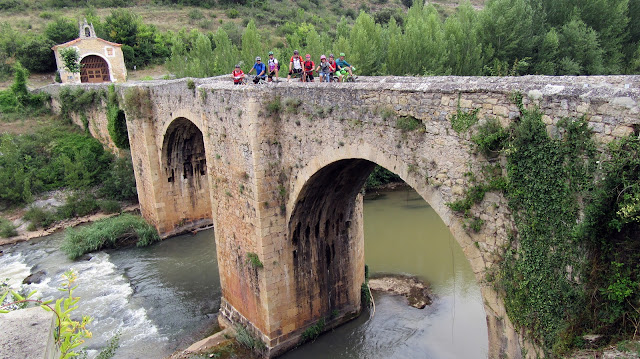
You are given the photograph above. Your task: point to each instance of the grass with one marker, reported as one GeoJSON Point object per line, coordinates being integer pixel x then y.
{"type": "Point", "coordinates": [111, 232]}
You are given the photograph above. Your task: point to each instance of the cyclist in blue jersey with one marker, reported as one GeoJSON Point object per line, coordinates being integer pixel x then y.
{"type": "Point", "coordinates": [261, 70]}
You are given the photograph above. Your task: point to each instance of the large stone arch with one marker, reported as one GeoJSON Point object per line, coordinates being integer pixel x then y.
{"type": "Point", "coordinates": [324, 228]}
{"type": "Point", "coordinates": [184, 172]}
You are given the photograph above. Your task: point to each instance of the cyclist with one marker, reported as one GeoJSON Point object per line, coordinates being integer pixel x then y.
{"type": "Point", "coordinates": [261, 70]}
{"type": "Point", "coordinates": [295, 65]}
{"type": "Point", "coordinates": [237, 75]}
{"type": "Point", "coordinates": [273, 67]}
{"type": "Point", "coordinates": [308, 68]}
{"type": "Point", "coordinates": [343, 65]}
{"type": "Point", "coordinates": [324, 69]}
{"type": "Point", "coordinates": [332, 64]}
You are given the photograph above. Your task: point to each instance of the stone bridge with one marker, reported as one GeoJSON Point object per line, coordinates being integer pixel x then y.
{"type": "Point", "coordinates": [278, 170]}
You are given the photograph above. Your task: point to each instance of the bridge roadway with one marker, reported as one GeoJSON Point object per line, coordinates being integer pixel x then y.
{"type": "Point", "coordinates": [278, 169]}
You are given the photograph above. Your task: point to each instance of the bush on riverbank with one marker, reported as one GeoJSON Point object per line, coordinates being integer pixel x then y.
{"type": "Point", "coordinates": [7, 229]}
{"type": "Point", "coordinates": [109, 233]}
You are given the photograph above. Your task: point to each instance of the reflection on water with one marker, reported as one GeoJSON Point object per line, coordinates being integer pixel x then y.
{"type": "Point", "coordinates": [404, 235]}
{"type": "Point", "coordinates": [163, 296]}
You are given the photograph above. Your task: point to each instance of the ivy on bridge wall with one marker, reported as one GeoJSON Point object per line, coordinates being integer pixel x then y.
{"type": "Point", "coordinates": [572, 265]}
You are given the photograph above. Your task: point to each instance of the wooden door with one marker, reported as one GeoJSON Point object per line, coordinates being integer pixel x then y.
{"type": "Point", "coordinates": [94, 69]}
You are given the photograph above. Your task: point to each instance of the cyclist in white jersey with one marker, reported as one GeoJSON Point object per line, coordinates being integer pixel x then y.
{"type": "Point", "coordinates": [272, 67]}
{"type": "Point", "coordinates": [295, 65]}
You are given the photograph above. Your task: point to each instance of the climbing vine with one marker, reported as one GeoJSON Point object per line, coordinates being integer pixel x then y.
{"type": "Point", "coordinates": [572, 264]}
{"type": "Point", "coordinates": [116, 121]}
{"type": "Point", "coordinates": [544, 265]}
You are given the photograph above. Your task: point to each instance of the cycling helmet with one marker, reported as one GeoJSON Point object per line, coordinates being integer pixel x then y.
{"type": "Point", "coordinates": [258, 58]}
{"type": "Point", "coordinates": [331, 55]}
{"type": "Point", "coordinates": [238, 65]}
{"type": "Point", "coordinates": [323, 57]}
{"type": "Point", "coordinates": [341, 54]}
{"type": "Point", "coordinates": [307, 56]}
{"type": "Point", "coordinates": [295, 52]}
{"type": "Point", "coordinates": [270, 52]}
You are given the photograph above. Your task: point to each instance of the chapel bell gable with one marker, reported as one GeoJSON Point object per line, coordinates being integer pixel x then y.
{"type": "Point", "coordinates": [87, 30]}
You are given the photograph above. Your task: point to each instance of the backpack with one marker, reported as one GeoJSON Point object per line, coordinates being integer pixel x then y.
{"type": "Point", "coordinates": [308, 65]}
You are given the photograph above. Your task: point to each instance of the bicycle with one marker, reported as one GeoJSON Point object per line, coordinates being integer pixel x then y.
{"type": "Point", "coordinates": [243, 80]}
{"type": "Point", "coordinates": [261, 80]}
{"type": "Point", "coordinates": [306, 74]}
{"type": "Point", "coordinates": [346, 76]}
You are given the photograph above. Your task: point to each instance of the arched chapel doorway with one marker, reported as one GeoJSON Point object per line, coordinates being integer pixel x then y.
{"type": "Point", "coordinates": [94, 69]}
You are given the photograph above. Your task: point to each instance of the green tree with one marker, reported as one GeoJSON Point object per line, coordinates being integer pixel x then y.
{"type": "Point", "coordinates": [424, 50]}
{"type": "Point", "coordinates": [251, 44]}
{"type": "Point", "coordinates": [366, 45]}
{"type": "Point", "coordinates": [579, 51]}
{"type": "Point", "coordinates": [61, 30]}
{"type": "Point", "coordinates": [508, 30]}
{"type": "Point", "coordinates": [464, 48]}
{"type": "Point", "coordinates": [225, 53]}
{"type": "Point", "coordinates": [609, 19]}
{"type": "Point", "coordinates": [70, 57]}
{"type": "Point", "coordinates": [36, 54]}
{"type": "Point", "coordinates": [394, 49]}
{"type": "Point", "coordinates": [314, 45]}
{"type": "Point", "coordinates": [139, 41]}
{"type": "Point", "coordinates": [547, 59]}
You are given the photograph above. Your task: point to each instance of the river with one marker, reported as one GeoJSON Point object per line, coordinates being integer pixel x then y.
{"type": "Point", "coordinates": [162, 297]}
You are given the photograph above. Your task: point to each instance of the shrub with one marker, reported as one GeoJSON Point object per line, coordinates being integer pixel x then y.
{"type": "Point", "coordinates": [109, 206]}
{"type": "Point", "coordinates": [274, 106]}
{"type": "Point", "coordinates": [7, 229]}
{"type": "Point", "coordinates": [36, 55]}
{"type": "Point", "coordinates": [246, 339]}
{"type": "Point", "coordinates": [78, 204]}
{"type": "Point", "coordinates": [49, 159]}
{"type": "Point", "coordinates": [61, 30]}
{"type": "Point", "coordinates": [490, 138]}
{"type": "Point", "coordinates": [119, 181]}
{"type": "Point", "coordinates": [254, 260]}
{"type": "Point", "coordinates": [233, 13]}
{"type": "Point", "coordinates": [195, 14]}
{"type": "Point", "coordinates": [109, 233]}
{"type": "Point", "coordinates": [40, 218]}
{"type": "Point", "coordinates": [463, 120]}
{"type": "Point", "coordinates": [408, 123]}
{"type": "Point", "coordinates": [313, 331]}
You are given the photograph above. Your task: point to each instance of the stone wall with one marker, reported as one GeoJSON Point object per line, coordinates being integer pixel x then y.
{"type": "Point", "coordinates": [285, 161]}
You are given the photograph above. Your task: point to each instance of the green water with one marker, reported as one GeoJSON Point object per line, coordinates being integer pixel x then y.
{"type": "Point", "coordinates": [404, 235]}
{"type": "Point", "coordinates": [164, 297]}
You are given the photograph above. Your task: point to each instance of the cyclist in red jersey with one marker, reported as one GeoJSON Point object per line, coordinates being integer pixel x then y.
{"type": "Point", "coordinates": [308, 66]}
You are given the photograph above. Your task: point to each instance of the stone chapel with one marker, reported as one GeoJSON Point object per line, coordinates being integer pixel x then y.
{"type": "Point", "coordinates": [100, 60]}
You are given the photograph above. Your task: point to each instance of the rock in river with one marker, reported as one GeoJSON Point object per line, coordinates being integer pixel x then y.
{"type": "Point", "coordinates": [416, 291]}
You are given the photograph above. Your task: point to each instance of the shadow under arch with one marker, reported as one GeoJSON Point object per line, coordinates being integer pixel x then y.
{"type": "Point", "coordinates": [185, 177]}
{"type": "Point", "coordinates": [325, 229]}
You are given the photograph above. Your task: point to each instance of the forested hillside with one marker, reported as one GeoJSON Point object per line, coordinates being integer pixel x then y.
{"type": "Point", "coordinates": [398, 37]}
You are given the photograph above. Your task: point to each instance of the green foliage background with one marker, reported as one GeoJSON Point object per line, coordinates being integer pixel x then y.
{"type": "Point", "coordinates": [506, 37]}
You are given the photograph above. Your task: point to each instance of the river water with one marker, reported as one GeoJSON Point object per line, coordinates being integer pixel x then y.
{"type": "Point", "coordinates": [162, 297]}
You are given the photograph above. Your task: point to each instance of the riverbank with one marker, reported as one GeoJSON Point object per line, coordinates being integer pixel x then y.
{"type": "Point", "coordinates": [25, 235]}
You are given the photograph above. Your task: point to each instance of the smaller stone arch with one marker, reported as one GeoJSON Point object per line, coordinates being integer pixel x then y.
{"type": "Point", "coordinates": [94, 69]}
{"type": "Point", "coordinates": [184, 175]}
